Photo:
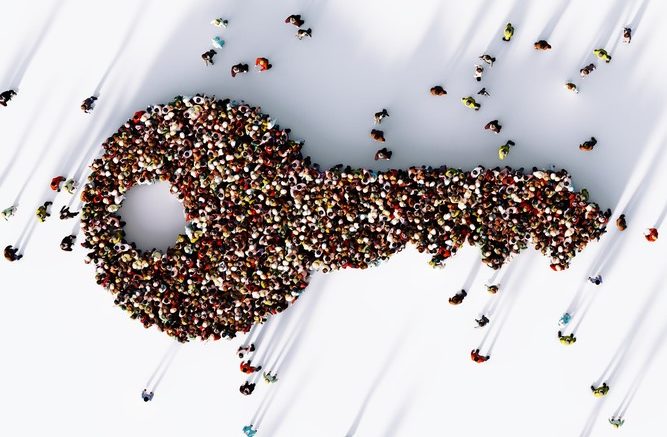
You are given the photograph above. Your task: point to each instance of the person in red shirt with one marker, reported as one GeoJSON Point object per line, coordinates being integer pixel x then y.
{"type": "Point", "coordinates": [651, 235]}
{"type": "Point", "coordinates": [476, 357]}
{"type": "Point", "coordinates": [247, 367]}
{"type": "Point", "coordinates": [263, 64]}
{"type": "Point", "coordinates": [57, 182]}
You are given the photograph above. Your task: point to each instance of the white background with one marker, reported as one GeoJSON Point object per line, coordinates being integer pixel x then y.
{"type": "Point", "coordinates": [378, 351]}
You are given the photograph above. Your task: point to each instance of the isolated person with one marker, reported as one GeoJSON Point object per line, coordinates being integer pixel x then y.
{"type": "Point", "coordinates": [508, 33]}
{"type": "Point", "coordinates": [601, 391]}
{"type": "Point", "coordinates": [566, 339]}
{"type": "Point", "coordinates": [603, 55]}
{"type": "Point", "coordinates": [304, 33]}
{"type": "Point", "coordinates": [248, 368]}
{"type": "Point", "coordinates": [242, 351]}
{"type": "Point", "coordinates": [470, 103]}
{"type": "Point", "coordinates": [483, 92]}
{"type": "Point", "coordinates": [247, 388]}
{"type": "Point", "coordinates": [488, 59]}
{"type": "Point", "coordinates": [207, 56]}
{"type": "Point", "coordinates": [269, 378]}
{"type": "Point", "coordinates": [588, 69]}
{"type": "Point", "coordinates": [217, 42]}
{"type": "Point", "coordinates": [6, 96]}
{"type": "Point", "coordinates": [219, 22]}
{"type": "Point", "coordinates": [479, 71]}
{"type": "Point", "coordinates": [65, 213]}
{"type": "Point", "coordinates": [239, 68]}
{"type": "Point", "coordinates": [492, 289]}
{"type": "Point", "coordinates": [564, 320]}
{"type": "Point", "coordinates": [627, 35]}
{"type": "Point", "coordinates": [377, 135]}
{"type": "Point", "coordinates": [493, 126]}
{"type": "Point", "coordinates": [571, 87]}
{"type": "Point", "coordinates": [651, 235]}
{"type": "Point", "coordinates": [542, 45]}
{"type": "Point", "coordinates": [589, 145]}
{"type": "Point", "coordinates": [262, 64]}
{"type": "Point", "coordinates": [43, 211]}
{"type": "Point", "coordinates": [458, 297]}
{"type": "Point", "coordinates": [482, 321]}
{"type": "Point", "coordinates": [57, 182]}
{"type": "Point", "coordinates": [295, 20]}
{"type": "Point", "coordinates": [67, 243]}
{"type": "Point", "coordinates": [621, 225]}
{"type": "Point", "coordinates": [476, 357]}
{"type": "Point", "coordinates": [146, 395]}
{"type": "Point", "coordinates": [249, 431]}
{"type": "Point", "coordinates": [383, 154]}
{"type": "Point", "coordinates": [88, 104]}
{"type": "Point", "coordinates": [11, 254]}
{"type": "Point", "coordinates": [8, 212]}
{"type": "Point", "coordinates": [597, 280]}
{"type": "Point", "coordinates": [381, 115]}
{"type": "Point", "coordinates": [438, 91]}
{"type": "Point", "coordinates": [616, 422]}
{"type": "Point", "coordinates": [504, 150]}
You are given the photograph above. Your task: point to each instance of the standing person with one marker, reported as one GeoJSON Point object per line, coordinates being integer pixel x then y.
{"type": "Point", "coordinates": [493, 126]}
{"type": "Point", "coordinates": [269, 378]}
{"type": "Point", "coordinates": [11, 254]}
{"type": "Point", "coordinates": [6, 96]}
{"type": "Point", "coordinates": [597, 280]}
{"type": "Point", "coordinates": [381, 115]}
{"type": "Point", "coordinates": [483, 92]}
{"type": "Point", "coordinates": [146, 395]}
{"type": "Point", "coordinates": [248, 368]}
{"type": "Point", "coordinates": [601, 391]}
{"type": "Point", "coordinates": [377, 135]}
{"type": "Point", "coordinates": [304, 33]}
{"type": "Point", "coordinates": [458, 297]}
{"type": "Point", "coordinates": [508, 33]}
{"type": "Point", "coordinates": [587, 146]}
{"type": "Point", "coordinates": [492, 289]}
{"type": "Point", "coordinates": [470, 103]}
{"type": "Point", "coordinates": [488, 59]}
{"type": "Point", "coordinates": [249, 431]}
{"type": "Point", "coordinates": [67, 243]}
{"type": "Point", "coordinates": [217, 42]}
{"type": "Point", "coordinates": [587, 70]}
{"type": "Point", "coordinates": [43, 212]}
{"type": "Point", "coordinates": [476, 357]}
{"type": "Point", "coordinates": [571, 87]}
{"type": "Point", "coordinates": [479, 71]}
{"type": "Point", "coordinates": [65, 213]}
{"type": "Point", "coordinates": [57, 182]}
{"type": "Point", "coordinates": [504, 150]}
{"type": "Point", "coordinates": [247, 388]}
{"type": "Point", "coordinates": [438, 91]}
{"type": "Point", "coordinates": [603, 55]}
{"type": "Point", "coordinates": [566, 339]}
{"type": "Point", "coordinates": [239, 68]}
{"type": "Point", "coordinates": [651, 235]}
{"type": "Point", "coordinates": [245, 350]}
{"type": "Point", "coordinates": [616, 422]}
{"type": "Point", "coordinates": [70, 186]}
{"type": "Point", "coordinates": [207, 56]}
{"type": "Point", "coordinates": [262, 64]}
{"type": "Point", "coordinates": [295, 20]}
{"type": "Point", "coordinates": [542, 45]}
{"type": "Point", "coordinates": [219, 22]}
{"type": "Point", "coordinates": [8, 212]}
{"type": "Point", "coordinates": [482, 321]}
{"type": "Point", "coordinates": [383, 154]}
{"type": "Point", "coordinates": [88, 104]}
{"type": "Point", "coordinates": [627, 35]}
{"type": "Point", "coordinates": [620, 223]}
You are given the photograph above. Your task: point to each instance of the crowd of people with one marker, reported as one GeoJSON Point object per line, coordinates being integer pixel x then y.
{"type": "Point", "coordinates": [260, 217]}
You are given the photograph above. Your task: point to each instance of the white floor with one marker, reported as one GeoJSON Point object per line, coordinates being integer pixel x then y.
{"type": "Point", "coordinates": [380, 352]}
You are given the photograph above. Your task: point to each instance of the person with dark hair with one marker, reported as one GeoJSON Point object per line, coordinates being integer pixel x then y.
{"type": "Point", "coordinates": [488, 59]}
{"type": "Point", "coordinates": [262, 64]}
{"type": "Point", "coordinates": [542, 45]}
{"type": "Point", "coordinates": [588, 69]}
{"type": "Point", "coordinates": [65, 213]}
{"type": "Point", "coordinates": [239, 68]}
{"type": "Point", "coordinates": [504, 150]}
{"type": "Point", "coordinates": [493, 126]}
{"type": "Point", "coordinates": [482, 321]}
{"type": "Point", "coordinates": [651, 235]}
{"type": "Point", "coordinates": [483, 92]}
{"type": "Point", "coordinates": [304, 33]}
{"type": "Point", "coordinates": [458, 297]}
{"type": "Point", "coordinates": [470, 103]}
{"type": "Point", "coordinates": [11, 254]}
{"type": "Point", "coordinates": [269, 378]}
{"type": "Point", "coordinates": [383, 154]}
{"type": "Point", "coordinates": [57, 182]}
{"type": "Point", "coordinates": [616, 422]}
{"type": "Point", "coordinates": [208, 55]}
{"type": "Point", "coordinates": [508, 33]}
{"type": "Point", "coordinates": [88, 104]}
{"type": "Point", "coordinates": [377, 135]}
{"type": "Point", "coordinates": [476, 357]}
{"type": "Point", "coordinates": [6, 96]}
{"type": "Point", "coordinates": [8, 212]}
{"type": "Point", "coordinates": [572, 87]}
{"type": "Point", "coordinates": [295, 20]}
{"type": "Point", "coordinates": [597, 280]}
{"type": "Point", "coordinates": [438, 91]}
{"type": "Point", "coordinates": [601, 391]}
{"type": "Point", "coordinates": [67, 243]}
{"type": "Point", "coordinates": [247, 388]}
{"type": "Point", "coordinates": [146, 395]}
{"type": "Point", "coordinates": [381, 115]}
{"type": "Point", "coordinates": [479, 71]}
{"type": "Point", "coordinates": [627, 35]}
{"type": "Point", "coordinates": [603, 55]}
{"type": "Point", "coordinates": [220, 22]}
{"type": "Point", "coordinates": [621, 225]}
{"type": "Point", "coordinates": [242, 351]}
{"type": "Point", "coordinates": [588, 145]}
{"type": "Point", "coordinates": [492, 289]}
{"type": "Point", "coordinates": [248, 368]}
{"type": "Point", "coordinates": [566, 339]}
{"type": "Point", "coordinates": [43, 212]}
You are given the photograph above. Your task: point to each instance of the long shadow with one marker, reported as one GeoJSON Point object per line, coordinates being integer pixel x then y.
{"type": "Point", "coordinates": [37, 41]}
{"type": "Point", "coordinates": [472, 275]}
{"type": "Point", "coordinates": [165, 357]}
{"type": "Point", "coordinates": [657, 345]}
{"type": "Point", "coordinates": [592, 418]}
{"type": "Point", "coordinates": [379, 377]}
{"type": "Point", "coordinates": [165, 368]}
{"type": "Point", "coordinates": [494, 301]}
{"type": "Point", "coordinates": [637, 19]}
{"type": "Point", "coordinates": [557, 15]}
{"type": "Point", "coordinates": [618, 361]}
{"type": "Point", "coordinates": [398, 416]}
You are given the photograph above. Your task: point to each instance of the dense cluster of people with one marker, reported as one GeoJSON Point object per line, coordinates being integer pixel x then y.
{"type": "Point", "coordinates": [260, 217]}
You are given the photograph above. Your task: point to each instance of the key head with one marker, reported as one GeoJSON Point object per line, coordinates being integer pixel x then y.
{"type": "Point", "coordinates": [260, 217]}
